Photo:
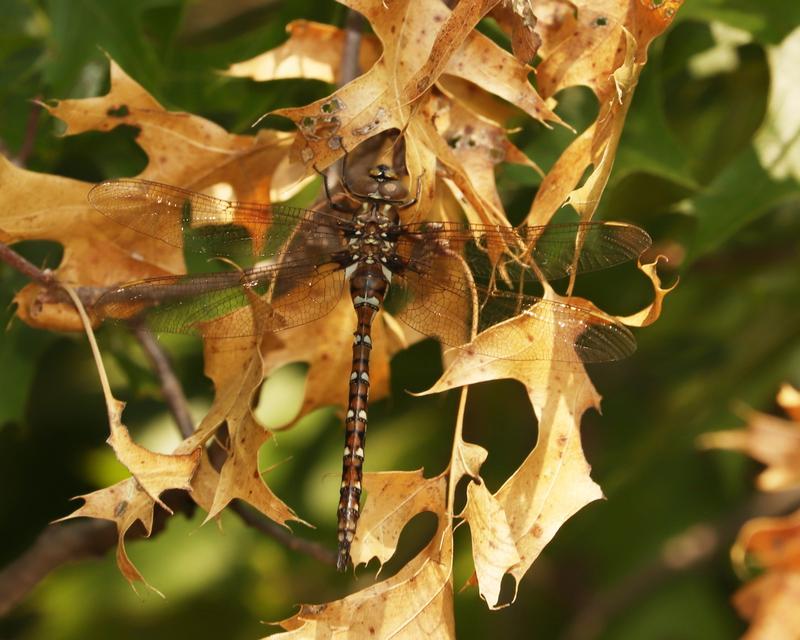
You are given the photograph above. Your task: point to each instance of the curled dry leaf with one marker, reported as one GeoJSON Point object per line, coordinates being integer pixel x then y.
{"type": "Point", "coordinates": [313, 51]}
{"type": "Point", "coordinates": [183, 149]}
{"type": "Point", "coordinates": [602, 45]}
{"type": "Point", "coordinates": [189, 151]}
{"type": "Point", "coordinates": [236, 367]}
{"type": "Point", "coordinates": [647, 316]}
{"type": "Point", "coordinates": [152, 473]}
{"type": "Point", "coordinates": [518, 18]}
{"type": "Point", "coordinates": [771, 543]}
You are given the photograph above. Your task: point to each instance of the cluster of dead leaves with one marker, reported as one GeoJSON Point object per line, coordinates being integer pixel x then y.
{"type": "Point", "coordinates": [432, 75]}
{"type": "Point", "coordinates": [770, 545]}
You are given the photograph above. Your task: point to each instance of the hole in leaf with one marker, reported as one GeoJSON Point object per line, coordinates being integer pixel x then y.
{"type": "Point", "coordinates": [121, 111]}
{"type": "Point", "coordinates": [282, 395]}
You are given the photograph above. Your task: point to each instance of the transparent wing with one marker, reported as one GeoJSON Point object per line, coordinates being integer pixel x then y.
{"type": "Point", "coordinates": [185, 304]}
{"type": "Point", "coordinates": [203, 224]}
{"type": "Point", "coordinates": [530, 253]}
{"type": "Point", "coordinates": [438, 300]}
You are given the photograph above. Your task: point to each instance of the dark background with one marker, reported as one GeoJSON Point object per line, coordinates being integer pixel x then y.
{"type": "Point", "coordinates": [687, 171]}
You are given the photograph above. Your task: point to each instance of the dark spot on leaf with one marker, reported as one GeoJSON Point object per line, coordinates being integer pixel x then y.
{"type": "Point", "coordinates": [537, 531]}
{"type": "Point", "coordinates": [121, 508]}
{"type": "Point", "coordinates": [600, 21]}
{"type": "Point", "coordinates": [119, 112]}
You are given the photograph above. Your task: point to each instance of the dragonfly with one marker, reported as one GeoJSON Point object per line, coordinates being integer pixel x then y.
{"type": "Point", "coordinates": [448, 280]}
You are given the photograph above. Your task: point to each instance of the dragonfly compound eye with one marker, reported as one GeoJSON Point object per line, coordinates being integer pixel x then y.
{"type": "Point", "coordinates": [393, 190]}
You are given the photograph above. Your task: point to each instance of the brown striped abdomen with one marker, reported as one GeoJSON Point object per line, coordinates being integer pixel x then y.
{"type": "Point", "coordinates": [367, 288]}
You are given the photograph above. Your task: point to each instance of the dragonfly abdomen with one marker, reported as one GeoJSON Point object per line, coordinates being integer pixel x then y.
{"type": "Point", "coordinates": [368, 287]}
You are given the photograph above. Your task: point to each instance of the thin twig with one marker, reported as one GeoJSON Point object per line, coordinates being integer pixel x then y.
{"type": "Point", "coordinates": [170, 385]}
{"type": "Point", "coordinates": [349, 68]}
{"type": "Point", "coordinates": [178, 407]}
{"type": "Point", "coordinates": [65, 542]}
{"type": "Point", "coordinates": [57, 545]}
{"type": "Point", "coordinates": [253, 518]}
{"type": "Point", "coordinates": [31, 129]}
{"type": "Point", "coordinates": [25, 267]}
{"type": "Point", "coordinates": [348, 71]}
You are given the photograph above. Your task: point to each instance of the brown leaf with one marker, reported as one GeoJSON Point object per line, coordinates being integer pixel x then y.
{"type": "Point", "coordinates": [602, 45]}
{"type": "Point", "coordinates": [772, 543]}
{"type": "Point", "coordinates": [493, 544]}
{"type": "Point", "coordinates": [417, 602]}
{"type": "Point", "coordinates": [182, 149]}
{"type": "Point", "coordinates": [517, 18]}
{"type": "Point", "coordinates": [313, 51]}
{"type": "Point", "coordinates": [236, 368]}
{"type": "Point", "coordinates": [772, 441]}
{"type": "Point", "coordinates": [393, 498]}
{"type": "Point", "coordinates": [651, 312]}
{"type": "Point", "coordinates": [553, 483]}
{"type": "Point", "coordinates": [770, 604]}
{"type": "Point", "coordinates": [383, 97]}
{"type": "Point", "coordinates": [125, 504]}
{"type": "Point", "coordinates": [155, 472]}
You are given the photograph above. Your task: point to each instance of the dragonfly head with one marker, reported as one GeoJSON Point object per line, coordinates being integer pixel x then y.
{"type": "Point", "coordinates": [387, 185]}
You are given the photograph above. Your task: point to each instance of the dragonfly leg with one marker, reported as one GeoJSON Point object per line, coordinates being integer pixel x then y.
{"type": "Point", "coordinates": [336, 206]}
{"type": "Point", "coordinates": [345, 184]}
{"type": "Point", "coordinates": [415, 199]}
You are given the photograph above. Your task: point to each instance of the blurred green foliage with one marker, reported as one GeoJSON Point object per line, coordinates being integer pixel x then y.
{"type": "Point", "coordinates": [690, 169]}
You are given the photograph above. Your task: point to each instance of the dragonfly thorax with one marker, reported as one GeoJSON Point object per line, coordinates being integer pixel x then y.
{"type": "Point", "coordinates": [372, 240]}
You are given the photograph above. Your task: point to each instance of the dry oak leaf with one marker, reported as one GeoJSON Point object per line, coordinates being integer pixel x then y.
{"type": "Point", "coordinates": [437, 120]}
{"type": "Point", "coordinates": [124, 503]}
{"type": "Point", "coordinates": [313, 51]}
{"type": "Point", "coordinates": [602, 45]}
{"type": "Point", "coordinates": [553, 483]}
{"type": "Point", "coordinates": [393, 498]}
{"type": "Point", "coordinates": [772, 543]}
{"type": "Point", "coordinates": [35, 206]}
{"type": "Point", "coordinates": [517, 18]}
{"type": "Point", "coordinates": [236, 367]}
{"type": "Point", "coordinates": [326, 345]}
{"type": "Point", "coordinates": [421, 40]}
{"type": "Point", "coordinates": [417, 602]}
{"type": "Point", "coordinates": [493, 545]}
{"type": "Point", "coordinates": [183, 149]}
{"type": "Point", "coordinates": [770, 604]}
{"type": "Point", "coordinates": [155, 472]}
{"type": "Point", "coordinates": [772, 441]}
